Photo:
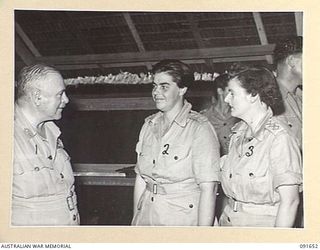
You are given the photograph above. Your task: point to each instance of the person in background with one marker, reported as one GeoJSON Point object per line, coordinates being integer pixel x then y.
{"type": "Point", "coordinates": [220, 117]}
{"type": "Point", "coordinates": [219, 113]}
{"type": "Point", "coordinates": [262, 173]}
{"type": "Point", "coordinates": [177, 157]}
{"type": "Point", "coordinates": [288, 58]}
{"type": "Point", "coordinates": [43, 184]}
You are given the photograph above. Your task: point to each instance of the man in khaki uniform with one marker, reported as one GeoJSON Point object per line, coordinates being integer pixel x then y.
{"type": "Point", "coordinates": [288, 57]}
{"type": "Point", "coordinates": [43, 183]}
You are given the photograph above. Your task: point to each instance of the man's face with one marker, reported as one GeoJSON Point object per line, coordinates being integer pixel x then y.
{"type": "Point", "coordinates": [53, 97]}
{"type": "Point", "coordinates": [297, 69]}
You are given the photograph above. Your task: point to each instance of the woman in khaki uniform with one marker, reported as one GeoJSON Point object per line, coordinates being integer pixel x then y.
{"type": "Point", "coordinates": [262, 174]}
{"type": "Point", "coordinates": [178, 157]}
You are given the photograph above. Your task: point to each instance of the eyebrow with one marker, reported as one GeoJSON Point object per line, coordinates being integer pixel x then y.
{"type": "Point", "coordinates": [161, 83]}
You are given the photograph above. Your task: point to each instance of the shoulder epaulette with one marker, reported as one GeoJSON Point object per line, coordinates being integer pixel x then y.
{"type": "Point", "coordinates": [150, 117]}
{"type": "Point", "coordinates": [274, 126]}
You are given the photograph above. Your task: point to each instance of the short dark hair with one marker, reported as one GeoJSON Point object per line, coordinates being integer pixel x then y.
{"type": "Point", "coordinates": [179, 71]}
{"type": "Point", "coordinates": [29, 75]}
{"type": "Point", "coordinates": [261, 81]}
{"type": "Point", "coordinates": [220, 81]}
{"type": "Point", "coordinates": [288, 46]}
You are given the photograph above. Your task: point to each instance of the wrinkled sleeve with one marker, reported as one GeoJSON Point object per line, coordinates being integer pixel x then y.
{"type": "Point", "coordinates": [205, 154]}
{"type": "Point", "coordinates": [286, 163]}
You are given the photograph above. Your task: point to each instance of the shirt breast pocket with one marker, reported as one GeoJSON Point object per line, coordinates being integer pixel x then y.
{"type": "Point", "coordinates": [259, 184]}
{"type": "Point", "coordinates": [32, 177]}
{"type": "Point", "coordinates": [178, 162]}
{"type": "Point", "coordinates": [31, 164]}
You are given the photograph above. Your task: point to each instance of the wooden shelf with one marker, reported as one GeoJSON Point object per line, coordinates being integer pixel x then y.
{"type": "Point", "coordinates": [103, 174]}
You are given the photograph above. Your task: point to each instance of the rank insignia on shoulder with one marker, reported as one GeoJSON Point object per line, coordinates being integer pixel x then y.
{"type": "Point", "coordinates": [28, 132]}
{"type": "Point", "coordinates": [272, 125]}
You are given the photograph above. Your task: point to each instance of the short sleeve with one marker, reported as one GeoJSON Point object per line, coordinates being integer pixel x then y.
{"type": "Point", "coordinates": [205, 154]}
{"type": "Point", "coordinates": [138, 147]}
{"type": "Point", "coordinates": [286, 163]}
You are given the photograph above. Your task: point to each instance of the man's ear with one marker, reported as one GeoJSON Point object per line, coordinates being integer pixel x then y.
{"type": "Point", "coordinates": [182, 91]}
{"type": "Point", "coordinates": [290, 60]}
{"type": "Point", "coordinates": [220, 91]}
{"type": "Point", "coordinates": [36, 97]}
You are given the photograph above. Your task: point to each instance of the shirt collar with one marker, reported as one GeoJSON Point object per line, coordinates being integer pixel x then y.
{"type": "Point", "coordinates": [242, 127]}
{"type": "Point", "coordinates": [28, 129]}
{"type": "Point", "coordinates": [180, 119]}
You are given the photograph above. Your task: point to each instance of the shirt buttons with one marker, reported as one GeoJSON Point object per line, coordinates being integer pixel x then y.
{"type": "Point", "coordinates": [176, 157]}
{"type": "Point", "coordinates": [251, 174]}
{"type": "Point", "coordinates": [61, 175]}
{"type": "Point", "coordinates": [152, 199]}
{"type": "Point", "coordinates": [36, 168]}
{"type": "Point", "coordinates": [50, 157]}
{"type": "Point", "coordinates": [290, 125]}
{"type": "Point", "coordinates": [230, 176]}
{"type": "Point", "coordinates": [224, 124]}
{"type": "Point", "coordinates": [191, 205]}
{"type": "Point", "coordinates": [154, 161]}
{"type": "Point", "coordinates": [74, 217]}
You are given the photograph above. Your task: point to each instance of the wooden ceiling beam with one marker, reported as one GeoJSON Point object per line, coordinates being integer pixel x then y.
{"type": "Point", "coordinates": [135, 35]}
{"type": "Point", "coordinates": [155, 56]}
{"type": "Point", "coordinates": [23, 51]}
{"type": "Point", "coordinates": [26, 39]}
{"type": "Point", "coordinates": [137, 64]}
{"type": "Point", "coordinates": [196, 34]}
{"type": "Point", "coordinates": [262, 33]}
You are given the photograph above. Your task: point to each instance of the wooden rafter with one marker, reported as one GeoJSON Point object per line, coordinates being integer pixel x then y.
{"type": "Point", "coordinates": [135, 35]}
{"type": "Point", "coordinates": [220, 54]}
{"type": "Point", "coordinates": [26, 40]}
{"type": "Point", "coordinates": [23, 51]}
{"type": "Point", "coordinates": [262, 33]}
{"type": "Point", "coordinates": [197, 36]}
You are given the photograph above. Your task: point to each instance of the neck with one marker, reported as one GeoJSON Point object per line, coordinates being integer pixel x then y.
{"type": "Point", "coordinates": [32, 116]}
{"type": "Point", "coordinates": [255, 116]}
{"type": "Point", "coordinates": [171, 114]}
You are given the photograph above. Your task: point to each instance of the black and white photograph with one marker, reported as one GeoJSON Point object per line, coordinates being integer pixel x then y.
{"type": "Point", "coordinates": [154, 119]}
{"type": "Point", "coordinates": [158, 119]}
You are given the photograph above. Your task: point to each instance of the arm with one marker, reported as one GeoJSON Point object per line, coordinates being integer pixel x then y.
{"type": "Point", "coordinates": [139, 187]}
{"type": "Point", "coordinates": [207, 203]}
{"type": "Point", "coordinates": [289, 201]}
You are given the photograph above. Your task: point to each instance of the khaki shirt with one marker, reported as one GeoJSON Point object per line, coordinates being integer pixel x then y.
{"type": "Point", "coordinates": [43, 183]}
{"type": "Point", "coordinates": [222, 125]}
{"type": "Point", "coordinates": [185, 156]}
{"type": "Point", "coordinates": [255, 167]}
{"type": "Point", "coordinates": [293, 111]}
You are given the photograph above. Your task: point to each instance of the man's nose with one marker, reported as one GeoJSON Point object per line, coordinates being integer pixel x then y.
{"type": "Point", "coordinates": [65, 98]}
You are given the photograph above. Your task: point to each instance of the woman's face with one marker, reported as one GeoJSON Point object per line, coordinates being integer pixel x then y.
{"type": "Point", "coordinates": [166, 92]}
{"type": "Point", "coordinates": [238, 99]}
